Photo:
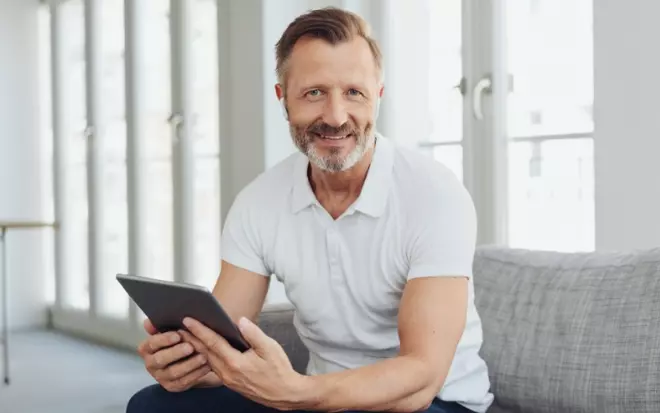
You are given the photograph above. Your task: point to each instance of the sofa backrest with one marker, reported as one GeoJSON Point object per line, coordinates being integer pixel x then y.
{"type": "Point", "coordinates": [570, 332]}
{"type": "Point", "coordinates": [277, 321]}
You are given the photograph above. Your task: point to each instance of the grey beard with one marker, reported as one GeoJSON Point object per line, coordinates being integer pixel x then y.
{"type": "Point", "coordinates": [333, 162]}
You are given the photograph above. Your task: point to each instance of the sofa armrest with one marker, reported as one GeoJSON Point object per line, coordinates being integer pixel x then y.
{"type": "Point", "coordinates": [277, 322]}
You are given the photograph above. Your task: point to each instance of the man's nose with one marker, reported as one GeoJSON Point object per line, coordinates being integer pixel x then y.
{"type": "Point", "coordinates": [335, 113]}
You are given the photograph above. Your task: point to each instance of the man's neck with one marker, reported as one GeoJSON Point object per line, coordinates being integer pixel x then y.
{"type": "Point", "coordinates": [336, 191]}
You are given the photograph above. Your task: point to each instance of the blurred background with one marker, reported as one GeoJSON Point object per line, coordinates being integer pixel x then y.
{"type": "Point", "coordinates": [132, 125]}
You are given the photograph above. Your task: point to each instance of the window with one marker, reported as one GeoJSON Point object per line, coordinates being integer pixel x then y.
{"type": "Point", "coordinates": [112, 127]}
{"type": "Point", "coordinates": [45, 121]}
{"type": "Point", "coordinates": [74, 156]}
{"type": "Point", "coordinates": [537, 136]}
{"type": "Point", "coordinates": [550, 125]}
{"type": "Point", "coordinates": [207, 144]}
{"type": "Point", "coordinates": [159, 259]}
{"type": "Point", "coordinates": [445, 74]}
{"type": "Point", "coordinates": [115, 55]}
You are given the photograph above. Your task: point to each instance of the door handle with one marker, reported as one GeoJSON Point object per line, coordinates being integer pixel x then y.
{"type": "Point", "coordinates": [175, 120]}
{"type": "Point", "coordinates": [483, 86]}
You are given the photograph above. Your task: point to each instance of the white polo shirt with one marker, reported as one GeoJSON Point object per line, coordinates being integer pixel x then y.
{"type": "Point", "coordinates": [345, 277]}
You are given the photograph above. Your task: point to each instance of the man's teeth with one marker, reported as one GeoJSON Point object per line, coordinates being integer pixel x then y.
{"type": "Point", "coordinates": [334, 138]}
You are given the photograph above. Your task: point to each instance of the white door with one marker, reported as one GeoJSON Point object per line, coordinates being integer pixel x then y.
{"type": "Point", "coordinates": [466, 77]}
{"type": "Point", "coordinates": [510, 97]}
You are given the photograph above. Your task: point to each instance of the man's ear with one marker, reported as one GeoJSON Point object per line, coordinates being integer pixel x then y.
{"type": "Point", "coordinates": [381, 91]}
{"type": "Point", "coordinates": [279, 91]}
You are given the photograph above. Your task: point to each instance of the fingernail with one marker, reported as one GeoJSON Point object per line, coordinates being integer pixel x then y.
{"type": "Point", "coordinates": [188, 348]}
{"type": "Point", "coordinates": [186, 322]}
{"type": "Point", "coordinates": [174, 338]}
{"type": "Point", "coordinates": [202, 359]}
{"type": "Point", "coordinates": [243, 322]}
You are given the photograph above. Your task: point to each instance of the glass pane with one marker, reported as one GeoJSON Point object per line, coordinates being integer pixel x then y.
{"type": "Point", "coordinates": [115, 239]}
{"type": "Point", "coordinates": [159, 207]}
{"type": "Point", "coordinates": [160, 253]}
{"type": "Point", "coordinates": [207, 141]}
{"type": "Point", "coordinates": [77, 271]}
{"type": "Point", "coordinates": [205, 77]}
{"type": "Point", "coordinates": [113, 128]}
{"type": "Point", "coordinates": [207, 220]}
{"type": "Point", "coordinates": [112, 70]}
{"type": "Point", "coordinates": [452, 157]}
{"type": "Point", "coordinates": [551, 195]}
{"type": "Point", "coordinates": [76, 277]}
{"type": "Point", "coordinates": [446, 101]}
{"type": "Point", "coordinates": [550, 57]}
{"type": "Point", "coordinates": [46, 142]}
{"type": "Point", "coordinates": [157, 77]}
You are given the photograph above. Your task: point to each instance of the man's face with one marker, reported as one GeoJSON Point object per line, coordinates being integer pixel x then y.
{"type": "Point", "coordinates": [331, 94]}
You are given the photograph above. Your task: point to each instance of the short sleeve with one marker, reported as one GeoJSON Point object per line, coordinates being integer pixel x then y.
{"type": "Point", "coordinates": [241, 241]}
{"type": "Point", "coordinates": [443, 234]}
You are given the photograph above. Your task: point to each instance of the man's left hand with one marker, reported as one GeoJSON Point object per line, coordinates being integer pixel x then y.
{"type": "Point", "coordinates": [263, 373]}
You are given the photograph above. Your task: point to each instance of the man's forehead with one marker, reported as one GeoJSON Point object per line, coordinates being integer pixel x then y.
{"type": "Point", "coordinates": [317, 61]}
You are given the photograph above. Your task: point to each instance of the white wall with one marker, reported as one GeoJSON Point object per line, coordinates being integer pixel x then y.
{"type": "Point", "coordinates": [627, 116]}
{"type": "Point", "coordinates": [21, 155]}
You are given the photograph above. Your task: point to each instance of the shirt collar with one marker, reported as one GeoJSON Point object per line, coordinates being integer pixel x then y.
{"type": "Point", "coordinates": [376, 188]}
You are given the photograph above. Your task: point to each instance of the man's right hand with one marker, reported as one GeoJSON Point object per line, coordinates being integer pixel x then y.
{"type": "Point", "coordinates": [165, 357]}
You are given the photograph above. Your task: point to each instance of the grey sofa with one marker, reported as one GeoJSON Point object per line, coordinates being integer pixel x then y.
{"type": "Point", "coordinates": [562, 332]}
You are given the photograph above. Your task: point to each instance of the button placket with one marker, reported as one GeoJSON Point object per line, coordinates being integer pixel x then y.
{"type": "Point", "coordinates": [333, 254]}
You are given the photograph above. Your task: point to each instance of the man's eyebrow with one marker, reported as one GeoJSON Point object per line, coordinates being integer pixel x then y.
{"type": "Point", "coordinates": [313, 86]}
{"type": "Point", "coordinates": [323, 86]}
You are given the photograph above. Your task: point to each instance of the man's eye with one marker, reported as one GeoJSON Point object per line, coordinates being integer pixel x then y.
{"type": "Point", "coordinates": [314, 93]}
{"type": "Point", "coordinates": [354, 92]}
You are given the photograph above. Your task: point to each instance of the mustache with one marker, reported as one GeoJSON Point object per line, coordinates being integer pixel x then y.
{"type": "Point", "coordinates": [323, 128]}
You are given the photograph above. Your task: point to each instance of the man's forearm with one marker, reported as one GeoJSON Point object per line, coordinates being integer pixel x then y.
{"type": "Point", "coordinates": [403, 383]}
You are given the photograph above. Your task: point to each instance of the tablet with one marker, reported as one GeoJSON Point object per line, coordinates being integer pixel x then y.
{"type": "Point", "coordinates": [167, 303]}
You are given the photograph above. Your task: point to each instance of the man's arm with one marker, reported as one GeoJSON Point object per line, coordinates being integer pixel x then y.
{"type": "Point", "coordinates": [241, 292]}
{"type": "Point", "coordinates": [432, 313]}
{"type": "Point", "coordinates": [432, 316]}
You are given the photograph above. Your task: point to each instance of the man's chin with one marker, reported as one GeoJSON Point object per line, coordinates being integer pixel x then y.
{"type": "Point", "coordinates": [341, 148]}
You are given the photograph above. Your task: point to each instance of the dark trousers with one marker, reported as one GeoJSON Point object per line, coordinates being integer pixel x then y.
{"type": "Point", "coordinates": [155, 399]}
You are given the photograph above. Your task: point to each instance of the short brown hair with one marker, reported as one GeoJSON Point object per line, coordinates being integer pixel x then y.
{"type": "Point", "coordinates": [331, 24]}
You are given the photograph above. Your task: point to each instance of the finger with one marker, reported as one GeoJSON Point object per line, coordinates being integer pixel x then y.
{"type": "Point", "coordinates": [216, 363]}
{"type": "Point", "coordinates": [156, 342]}
{"type": "Point", "coordinates": [257, 339]}
{"type": "Point", "coordinates": [180, 370]}
{"type": "Point", "coordinates": [194, 376]}
{"type": "Point", "coordinates": [186, 381]}
{"type": "Point", "coordinates": [164, 358]}
{"type": "Point", "coordinates": [189, 338]}
{"type": "Point", "coordinates": [149, 327]}
{"type": "Point", "coordinates": [160, 341]}
{"type": "Point", "coordinates": [210, 339]}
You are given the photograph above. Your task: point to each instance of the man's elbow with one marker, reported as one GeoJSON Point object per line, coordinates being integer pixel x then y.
{"type": "Point", "coordinates": [418, 402]}
{"type": "Point", "coordinates": [426, 398]}
{"type": "Point", "coordinates": [423, 399]}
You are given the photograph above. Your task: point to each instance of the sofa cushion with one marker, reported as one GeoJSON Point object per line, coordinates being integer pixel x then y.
{"type": "Point", "coordinates": [571, 332]}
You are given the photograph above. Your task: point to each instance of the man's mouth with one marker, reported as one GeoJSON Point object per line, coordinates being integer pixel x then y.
{"type": "Point", "coordinates": [331, 137]}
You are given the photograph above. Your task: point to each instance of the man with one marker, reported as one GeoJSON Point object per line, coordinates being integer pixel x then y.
{"type": "Point", "coordinates": [373, 243]}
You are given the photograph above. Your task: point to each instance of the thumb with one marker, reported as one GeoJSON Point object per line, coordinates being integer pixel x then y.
{"type": "Point", "coordinates": [149, 327]}
{"type": "Point", "coordinates": [257, 339]}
